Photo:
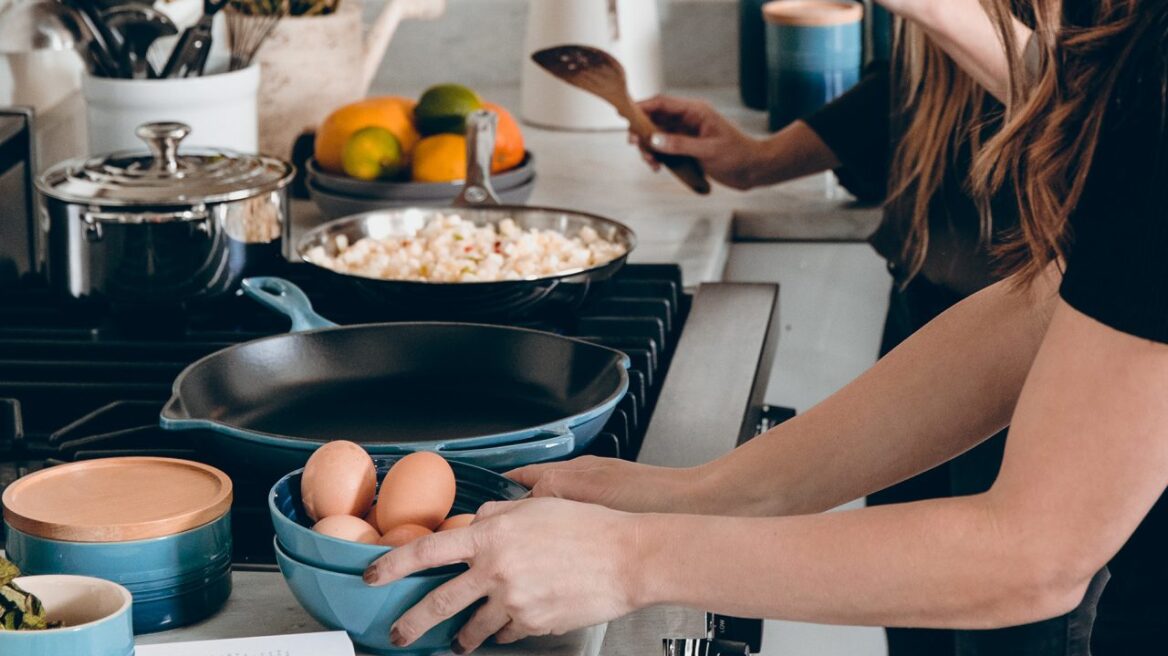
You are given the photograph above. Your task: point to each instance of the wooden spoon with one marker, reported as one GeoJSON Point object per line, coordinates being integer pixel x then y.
{"type": "Point", "coordinates": [599, 73]}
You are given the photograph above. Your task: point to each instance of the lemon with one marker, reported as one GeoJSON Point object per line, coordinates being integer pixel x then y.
{"type": "Point", "coordinates": [444, 108]}
{"type": "Point", "coordinates": [373, 153]}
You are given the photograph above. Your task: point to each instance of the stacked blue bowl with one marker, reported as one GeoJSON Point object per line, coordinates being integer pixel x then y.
{"type": "Point", "coordinates": [324, 573]}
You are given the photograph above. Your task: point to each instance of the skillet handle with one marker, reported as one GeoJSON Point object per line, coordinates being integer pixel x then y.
{"type": "Point", "coordinates": [480, 147]}
{"type": "Point", "coordinates": [174, 411]}
{"type": "Point", "coordinates": [556, 446]}
{"type": "Point", "coordinates": [287, 299]}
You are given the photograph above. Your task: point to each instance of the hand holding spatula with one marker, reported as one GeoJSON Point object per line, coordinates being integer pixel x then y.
{"type": "Point", "coordinates": [599, 73]}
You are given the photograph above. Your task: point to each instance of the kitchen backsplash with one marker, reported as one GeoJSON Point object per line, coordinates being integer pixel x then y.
{"type": "Point", "coordinates": [480, 43]}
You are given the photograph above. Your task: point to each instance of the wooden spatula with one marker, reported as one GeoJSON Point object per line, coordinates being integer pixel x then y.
{"type": "Point", "coordinates": [599, 73]}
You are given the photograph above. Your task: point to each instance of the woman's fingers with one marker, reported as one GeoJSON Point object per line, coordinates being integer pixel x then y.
{"type": "Point", "coordinates": [436, 550]}
{"type": "Point", "coordinates": [679, 144]}
{"type": "Point", "coordinates": [444, 602]}
{"type": "Point", "coordinates": [492, 508]}
{"type": "Point", "coordinates": [486, 622]}
{"type": "Point", "coordinates": [528, 476]}
{"type": "Point", "coordinates": [509, 634]}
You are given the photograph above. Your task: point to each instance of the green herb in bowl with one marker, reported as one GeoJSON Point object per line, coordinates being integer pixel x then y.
{"type": "Point", "coordinates": [19, 610]}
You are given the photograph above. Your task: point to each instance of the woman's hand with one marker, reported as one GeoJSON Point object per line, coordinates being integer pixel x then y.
{"type": "Point", "coordinates": [614, 483]}
{"type": "Point", "coordinates": [545, 566]}
{"type": "Point", "coordinates": [692, 127]}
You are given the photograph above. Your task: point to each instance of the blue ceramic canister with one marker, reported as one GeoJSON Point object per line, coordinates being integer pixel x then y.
{"type": "Point", "coordinates": [158, 526]}
{"type": "Point", "coordinates": [815, 51]}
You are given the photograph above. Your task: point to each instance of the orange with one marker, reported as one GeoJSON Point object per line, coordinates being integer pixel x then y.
{"type": "Point", "coordinates": [390, 112]}
{"type": "Point", "coordinates": [509, 148]}
{"type": "Point", "coordinates": [440, 158]}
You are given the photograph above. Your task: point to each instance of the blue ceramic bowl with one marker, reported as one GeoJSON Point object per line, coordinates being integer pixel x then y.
{"type": "Point", "coordinates": [175, 580]}
{"type": "Point", "coordinates": [475, 486]}
{"type": "Point", "coordinates": [344, 602]}
{"type": "Point", "coordinates": [96, 614]}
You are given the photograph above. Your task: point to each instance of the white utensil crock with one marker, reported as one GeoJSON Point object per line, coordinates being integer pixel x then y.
{"type": "Point", "coordinates": [220, 108]}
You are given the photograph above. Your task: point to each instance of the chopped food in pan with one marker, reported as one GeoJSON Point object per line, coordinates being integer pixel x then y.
{"type": "Point", "coordinates": [451, 249]}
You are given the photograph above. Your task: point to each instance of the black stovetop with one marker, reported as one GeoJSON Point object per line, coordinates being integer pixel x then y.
{"type": "Point", "coordinates": [84, 380]}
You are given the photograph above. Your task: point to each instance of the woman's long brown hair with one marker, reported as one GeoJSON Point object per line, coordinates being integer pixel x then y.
{"type": "Point", "coordinates": [1054, 121]}
{"type": "Point", "coordinates": [942, 105]}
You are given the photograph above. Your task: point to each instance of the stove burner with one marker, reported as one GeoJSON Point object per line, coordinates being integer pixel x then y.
{"type": "Point", "coordinates": [80, 380]}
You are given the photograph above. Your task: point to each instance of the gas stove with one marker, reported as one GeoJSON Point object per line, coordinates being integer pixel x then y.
{"type": "Point", "coordinates": [83, 380]}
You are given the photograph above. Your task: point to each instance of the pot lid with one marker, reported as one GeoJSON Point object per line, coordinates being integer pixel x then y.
{"type": "Point", "coordinates": [164, 176]}
{"type": "Point", "coordinates": [117, 499]}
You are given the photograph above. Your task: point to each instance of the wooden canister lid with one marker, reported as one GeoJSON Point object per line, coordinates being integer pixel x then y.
{"type": "Point", "coordinates": [812, 13]}
{"type": "Point", "coordinates": [117, 499]}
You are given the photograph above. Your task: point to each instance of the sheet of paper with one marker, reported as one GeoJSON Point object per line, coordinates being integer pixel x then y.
{"type": "Point", "coordinates": [331, 643]}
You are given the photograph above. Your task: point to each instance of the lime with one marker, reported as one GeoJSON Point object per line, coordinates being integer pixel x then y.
{"type": "Point", "coordinates": [373, 153]}
{"type": "Point", "coordinates": [444, 108]}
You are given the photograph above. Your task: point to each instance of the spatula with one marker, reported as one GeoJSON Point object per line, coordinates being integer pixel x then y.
{"type": "Point", "coordinates": [599, 73]}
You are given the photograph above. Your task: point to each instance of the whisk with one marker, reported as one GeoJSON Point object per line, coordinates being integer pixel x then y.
{"type": "Point", "coordinates": [249, 23]}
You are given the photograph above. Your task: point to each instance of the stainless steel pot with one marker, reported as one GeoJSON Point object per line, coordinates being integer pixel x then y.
{"type": "Point", "coordinates": [166, 226]}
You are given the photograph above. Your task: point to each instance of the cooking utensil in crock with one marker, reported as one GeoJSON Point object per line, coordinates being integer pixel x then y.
{"type": "Point", "coordinates": [477, 203]}
{"type": "Point", "coordinates": [140, 26]}
{"type": "Point", "coordinates": [159, 526]}
{"type": "Point", "coordinates": [599, 73]}
{"type": "Point", "coordinates": [163, 227]}
{"type": "Point", "coordinates": [523, 396]}
{"type": "Point", "coordinates": [190, 54]}
{"type": "Point", "coordinates": [474, 487]}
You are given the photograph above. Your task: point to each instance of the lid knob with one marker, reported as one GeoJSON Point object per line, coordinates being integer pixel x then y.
{"type": "Point", "coordinates": [163, 138]}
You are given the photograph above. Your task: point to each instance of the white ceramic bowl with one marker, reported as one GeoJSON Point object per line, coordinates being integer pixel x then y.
{"type": "Point", "coordinates": [96, 614]}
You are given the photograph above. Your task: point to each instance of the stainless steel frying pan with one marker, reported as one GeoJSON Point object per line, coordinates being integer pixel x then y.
{"type": "Point", "coordinates": [477, 203]}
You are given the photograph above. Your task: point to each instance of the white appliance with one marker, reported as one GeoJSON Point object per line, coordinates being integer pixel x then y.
{"type": "Point", "coordinates": [628, 29]}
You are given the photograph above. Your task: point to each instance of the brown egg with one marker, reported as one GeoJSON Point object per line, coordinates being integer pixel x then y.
{"type": "Point", "coordinates": [347, 527]}
{"type": "Point", "coordinates": [403, 534]}
{"type": "Point", "coordinates": [456, 521]}
{"type": "Point", "coordinates": [418, 489]}
{"type": "Point", "coordinates": [339, 479]}
{"type": "Point", "coordinates": [371, 517]}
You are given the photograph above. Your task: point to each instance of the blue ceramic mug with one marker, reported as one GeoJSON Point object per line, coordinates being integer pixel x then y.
{"type": "Point", "coordinates": [815, 51]}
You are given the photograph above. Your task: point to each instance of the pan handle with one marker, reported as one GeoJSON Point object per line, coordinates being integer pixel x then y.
{"type": "Point", "coordinates": [287, 299]}
{"type": "Point", "coordinates": [561, 443]}
{"type": "Point", "coordinates": [174, 411]}
{"type": "Point", "coordinates": [480, 147]}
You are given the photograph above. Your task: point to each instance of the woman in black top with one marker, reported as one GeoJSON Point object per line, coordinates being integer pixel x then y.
{"type": "Point", "coordinates": [858, 135]}
{"type": "Point", "coordinates": [1076, 364]}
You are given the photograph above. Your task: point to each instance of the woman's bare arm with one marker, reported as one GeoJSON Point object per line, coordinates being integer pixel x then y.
{"type": "Point", "coordinates": [941, 392]}
{"type": "Point", "coordinates": [964, 30]}
{"type": "Point", "coordinates": [1087, 458]}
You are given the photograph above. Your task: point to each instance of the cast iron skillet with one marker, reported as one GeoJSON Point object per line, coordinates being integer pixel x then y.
{"type": "Point", "coordinates": [494, 396]}
{"type": "Point", "coordinates": [476, 203]}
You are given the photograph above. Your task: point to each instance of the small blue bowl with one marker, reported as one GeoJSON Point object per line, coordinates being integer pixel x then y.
{"type": "Point", "coordinates": [475, 486]}
{"type": "Point", "coordinates": [343, 602]}
{"type": "Point", "coordinates": [175, 580]}
{"type": "Point", "coordinates": [96, 614]}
